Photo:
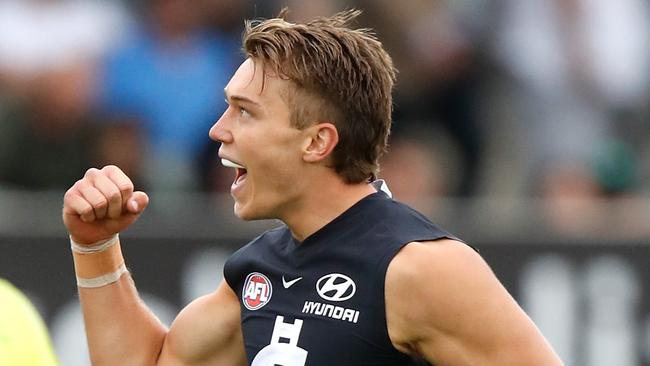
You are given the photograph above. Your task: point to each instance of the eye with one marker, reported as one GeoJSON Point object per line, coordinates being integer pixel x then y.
{"type": "Point", "coordinates": [243, 112]}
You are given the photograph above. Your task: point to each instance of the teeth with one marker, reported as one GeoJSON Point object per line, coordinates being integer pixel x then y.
{"type": "Point", "coordinates": [230, 164]}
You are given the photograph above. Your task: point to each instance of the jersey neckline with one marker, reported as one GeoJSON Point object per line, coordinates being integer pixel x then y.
{"type": "Point", "coordinates": [339, 221]}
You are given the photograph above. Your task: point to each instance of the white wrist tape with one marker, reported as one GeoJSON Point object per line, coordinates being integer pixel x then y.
{"type": "Point", "coordinates": [102, 280]}
{"type": "Point", "coordinates": [96, 247]}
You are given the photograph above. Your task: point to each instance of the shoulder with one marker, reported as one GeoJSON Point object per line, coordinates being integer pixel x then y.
{"type": "Point", "coordinates": [445, 256]}
{"type": "Point", "coordinates": [461, 310]}
{"type": "Point", "coordinates": [445, 276]}
{"type": "Point", "coordinates": [437, 268]}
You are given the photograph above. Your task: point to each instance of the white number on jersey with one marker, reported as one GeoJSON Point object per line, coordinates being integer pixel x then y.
{"type": "Point", "coordinates": [283, 354]}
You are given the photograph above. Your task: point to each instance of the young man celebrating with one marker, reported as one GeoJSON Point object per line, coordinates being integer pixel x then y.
{"type": "Point", "coordinates": [352, 277]}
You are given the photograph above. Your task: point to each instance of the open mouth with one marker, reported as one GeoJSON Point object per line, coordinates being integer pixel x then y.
{"type": "Point", "coordinates": [240, 170]}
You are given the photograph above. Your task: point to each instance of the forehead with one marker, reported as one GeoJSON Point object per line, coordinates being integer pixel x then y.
{"type": "Point", "coordinates": [253, 82]}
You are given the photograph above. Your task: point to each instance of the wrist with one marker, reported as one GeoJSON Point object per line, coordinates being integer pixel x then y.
{"type": "Point", "coordinates": [103, 280]}
{"type": "Point", "coordinates": [98, 265]}
{"type": "Point", "coordinates": [96, 247]}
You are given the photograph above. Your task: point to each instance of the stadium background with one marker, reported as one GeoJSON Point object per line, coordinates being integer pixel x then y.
{"type": "Point", "coordinates": [521, 126]}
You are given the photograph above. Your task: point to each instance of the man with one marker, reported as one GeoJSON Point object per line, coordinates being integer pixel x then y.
{"type": "Point", "coordinates": [352, 278]}
{"type": "Point", "coordinates": [24, 340]}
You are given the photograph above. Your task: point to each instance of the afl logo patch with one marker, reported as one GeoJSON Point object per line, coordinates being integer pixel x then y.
{"type": "Point", "coordinates": [336, 287]}
{"type": "Point", "coordinates": [257, 291]}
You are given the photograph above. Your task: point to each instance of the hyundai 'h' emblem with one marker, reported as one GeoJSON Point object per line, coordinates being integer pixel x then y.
{"type": "Point", "coordinates": [336, 287]}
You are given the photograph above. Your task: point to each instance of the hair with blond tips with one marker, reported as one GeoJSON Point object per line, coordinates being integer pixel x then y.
{"type": "Point", "coordinates": [340, 75]}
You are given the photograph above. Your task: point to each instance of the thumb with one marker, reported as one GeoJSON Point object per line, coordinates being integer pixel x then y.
{"type": "Point", "coordinates": [137, 202]}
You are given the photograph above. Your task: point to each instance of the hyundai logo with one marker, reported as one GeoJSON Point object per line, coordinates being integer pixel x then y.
{"type": "Point", "coordinates": [336, 287]}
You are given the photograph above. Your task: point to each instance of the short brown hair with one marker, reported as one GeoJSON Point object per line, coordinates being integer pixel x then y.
{"type": "Point", "coordinates": [342, 75]}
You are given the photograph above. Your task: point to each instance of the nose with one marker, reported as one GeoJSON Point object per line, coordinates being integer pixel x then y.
{"type": "Point", "coordinates": [219, 131]}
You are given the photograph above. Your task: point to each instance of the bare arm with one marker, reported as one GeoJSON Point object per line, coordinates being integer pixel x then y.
{"type": "Point", "coordinates": [207, 332]}
{"type": "Point", "coordinates": [121, 330]}
{"type": "Point", "coordinates": [444, 303]}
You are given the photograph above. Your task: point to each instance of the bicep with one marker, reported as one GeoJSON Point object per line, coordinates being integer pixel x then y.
{"type": "Point", "coordinates": [206, 332]}
{"type": "Point", "coordinates": [463, 314]}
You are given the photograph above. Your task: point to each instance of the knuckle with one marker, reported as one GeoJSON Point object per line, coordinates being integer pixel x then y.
{"type": "Point", "coordinates": [68, 194]}
{"type": "Point", "coordinates": [72, 192]}
{"type": "Point", "coordinates": [111, 168]}
{"type": "Point", "coordinates": [114, 195]}
{"type": "Point", "coordinates": [126, 186]}
{"type": "Point", "coordinates": [92, 172]}
{"type": "Point", "coordinates": [100, 202]}
{"type": "Point", "coordinates": [68, 200]}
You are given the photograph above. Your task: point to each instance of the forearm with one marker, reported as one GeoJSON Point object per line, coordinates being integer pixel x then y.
{"type": "Point", "coordinates": [120, 329]}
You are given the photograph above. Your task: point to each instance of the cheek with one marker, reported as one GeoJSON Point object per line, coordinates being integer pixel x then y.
{"type": "Point", "coordinates": [279, 151]}
{"type": "Point", "coordinates": [275, 154]}
{"type": "Point", "coordinates": [279, 169]}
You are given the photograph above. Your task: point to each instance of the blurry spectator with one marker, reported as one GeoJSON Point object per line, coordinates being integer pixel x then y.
{"type": "Point", "coordinates": [438, 77]}
{"type": "Point", "coordinates": [416, 170]}
{"type": "Point", "coordinates": [24, 340]}
{"type": "Point", "coordinates": [47, 141]}
{"type": "Point", "coordinates": [581, 70]}
{"type": "Point", "coordinates": [227, 16]}
{"type": "Point", "coordinates": [119, 142]}
{"type": "Point", "coordinates": [575, 62]}
{"type": "Point", "coordinates": [302, 11]}
{"type": "Point", "coordinates": [40, 36]}
{"type": "Point", "coordinates": [169, 77]}
{"type": "Point", "coordinates": [48, 51]}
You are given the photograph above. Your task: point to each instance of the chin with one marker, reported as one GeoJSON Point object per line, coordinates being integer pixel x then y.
{"type": "Point", "coordinates": [250, 213]}
{"type": "Point", "coordinates": [241, 214]}
{"type": "Point", "coordinates": [245, 213]}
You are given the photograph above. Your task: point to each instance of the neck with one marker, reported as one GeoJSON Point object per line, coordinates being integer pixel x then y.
{"type": "Point", "coordinates": [323, 203]}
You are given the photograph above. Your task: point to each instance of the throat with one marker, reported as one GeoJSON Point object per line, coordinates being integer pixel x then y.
{"type": "Point", "coordinates": [330, 205]}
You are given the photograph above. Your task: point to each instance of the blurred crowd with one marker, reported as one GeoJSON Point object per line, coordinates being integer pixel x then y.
{"type": "Point", "coordinates": [505, 98]}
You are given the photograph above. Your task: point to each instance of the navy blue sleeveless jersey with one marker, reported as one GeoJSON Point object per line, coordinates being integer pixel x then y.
{"type": "Point", "coordinates": [321, 302]}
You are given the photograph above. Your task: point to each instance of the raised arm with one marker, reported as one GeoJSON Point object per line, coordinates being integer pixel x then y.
{"type": "Point", "coordinates": [444, 303]}
{"type": "Point", "coordinates": [121, 330]}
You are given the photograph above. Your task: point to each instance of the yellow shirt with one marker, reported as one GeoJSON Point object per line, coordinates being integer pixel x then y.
{"type": "Point", "coordinates": [24, 340]}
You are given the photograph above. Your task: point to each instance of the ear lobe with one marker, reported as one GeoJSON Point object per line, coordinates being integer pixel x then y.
{"type": "Point", "coordinates": [321, 140]}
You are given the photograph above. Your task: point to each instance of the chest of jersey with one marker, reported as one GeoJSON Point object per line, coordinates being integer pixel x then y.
{"type": "Point", "coordinates": [321, 302]}
{"type": "Point", "coordinates": [295, 318]}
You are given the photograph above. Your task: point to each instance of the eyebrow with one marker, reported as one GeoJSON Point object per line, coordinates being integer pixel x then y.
{"type": "Point", "coordinates": [240, 98]}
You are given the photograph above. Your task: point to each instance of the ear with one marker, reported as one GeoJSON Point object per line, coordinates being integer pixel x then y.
{"type": "Point", "coordinates": [319, 142]}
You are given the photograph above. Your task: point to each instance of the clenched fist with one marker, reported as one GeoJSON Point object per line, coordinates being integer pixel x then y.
{"type": "Point", "coordinates": [101, 204]}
